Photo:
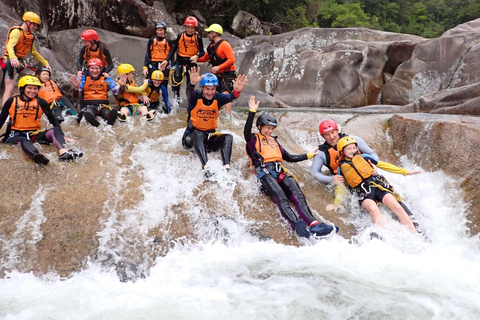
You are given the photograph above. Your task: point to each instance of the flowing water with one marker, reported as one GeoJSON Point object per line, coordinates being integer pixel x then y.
{"type": "Point", "coordinates": [222, 267]}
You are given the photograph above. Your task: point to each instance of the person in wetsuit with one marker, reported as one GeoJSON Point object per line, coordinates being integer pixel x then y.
{"type": "Point", "coordinates": [151, 95]}
{"type": "Point", "coordinates": [25, 128]}
{"type": "Point", "coordinates": [267, 156]}
{"type": "Point", "coordinates": [52, 93]}
{"type": "Point", "coordinates": [203, 111]}
{"type": "Point", "coordinates": [93, 48]}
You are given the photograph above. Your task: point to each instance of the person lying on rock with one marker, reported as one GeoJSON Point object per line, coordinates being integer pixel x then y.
{"type": "Point", "coordinates": [267, 156]}
{"type": "Point", "coordinates": [92, 90]}
{"type": "Point", "coordinates": [203, 111]}
{"type": "Point", "coordinates": [52, 93]}
{"type": "Point", "coordinates": [128, 101]}
{"type": "Point", "coordinates": [361, 176]}
{"type": "Point", "coordinates": [328, 156]}
{"type": "Point", "coordinates": [25, 128]}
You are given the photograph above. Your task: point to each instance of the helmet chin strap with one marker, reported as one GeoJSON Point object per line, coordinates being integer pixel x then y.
{"type": "Point", "coordinates": [28, 24]}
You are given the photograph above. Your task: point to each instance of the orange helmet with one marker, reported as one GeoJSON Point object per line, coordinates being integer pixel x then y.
{"type": "Point", "coordinates": [89, 35]}
{"type": "Point", "coordinates": [95, 62]}
{"type": "Point", "coordinates": [191, 21]}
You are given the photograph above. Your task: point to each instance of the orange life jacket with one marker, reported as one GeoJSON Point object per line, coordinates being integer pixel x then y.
{"type": "Point", "coordinates": [204, 117]}
{"type": "Point", "coordinates": [90, 54]}
{"type": "Point", "coordinates": [268, 148]}
{"type": "Point", "coordinates": [128, 98]}
{"type": "Point", "coordinates": [49, 91]}
{"type": "Point", "coordinates": [153, 93]}
{"type": "Point", "coordinates": [95, 90]}
{"type": "Point", "coordinates": [25, 115]}
{"type": "Point", "coordinates": [24, 44]}
{"type": "Point", "coordinates": [356, 170]}
{"type": "Point", "coordinates": [188, 45]}
{"type": "Point", "coordinates": [159, 50]}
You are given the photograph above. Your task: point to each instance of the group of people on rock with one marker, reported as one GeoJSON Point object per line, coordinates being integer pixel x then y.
{"type": "Point", "coordinates": [350, 161]}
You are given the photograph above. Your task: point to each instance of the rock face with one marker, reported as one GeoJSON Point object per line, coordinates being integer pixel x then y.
{"type": "Point", "coordinates": [448, 143]}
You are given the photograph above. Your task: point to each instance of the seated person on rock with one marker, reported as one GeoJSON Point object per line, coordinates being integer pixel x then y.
{"type": "Point", "coordinates": [151, 96]}
{"type": "Point", "coordinates": [362, 178]}
{"type": "Point", "coordinates": [24, 126]}
{"type": "Point", "coordinates": [93, 90]}
{"type": "Point", "coordinates": [203, 110]}
{"type": "Point", "coordinates": [128, 101]}
{"type": "Point", "coordinates": [52, 93]}
{"type": "Point", "coordinates": [328, 156]}
{"type": "Point", "coordinates": [267, 156]}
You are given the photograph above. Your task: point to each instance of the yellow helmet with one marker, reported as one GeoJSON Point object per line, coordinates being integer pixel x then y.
{"type": "Point", "coordinates": [157, 75]}
{"type": "Point", "coordinates": [345, 141]}
{"type": "Point", "coordinates": [125, 68]}
{"type": "Point", "coordinates": [29, 80]}
{"type": "Point", "coordinates": [32, 17]}
{"type": "Point", "coordinates": [215, 28]}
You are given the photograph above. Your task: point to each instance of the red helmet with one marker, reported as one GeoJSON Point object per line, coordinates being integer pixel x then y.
{"type": "Point", "coordinates": [95, 62]}
{"type": "Point", "coordinates": [327, 125]}
{"type": "Point", "coordinates": [191, 21]}
{"type": "Point", "coordinates": [89, 35]}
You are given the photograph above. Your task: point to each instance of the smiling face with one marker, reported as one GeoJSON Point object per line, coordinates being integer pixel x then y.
{"type": "Point", "coordinates": [31, 91]}
{"type": "Point", "coordinates": [94, 71]}
{"type": "Point", "coordinates": [331, 137]}
{"type": "Point", "coordinates": [267, 130]}
{"type": "Point", "coordinates": [209, 91]}
{"type": "Point", "coordinates": [157, 83]}
{"type": "Point", "coordinates": [190, 30]}
{"type": "Point", "coordinates": [350, 150]}
{"type": "Point", "coordinates": [160, 32]}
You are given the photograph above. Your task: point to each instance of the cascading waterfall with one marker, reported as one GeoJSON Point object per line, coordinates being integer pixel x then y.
{"type": "Point", "coordinates": [194, 249]}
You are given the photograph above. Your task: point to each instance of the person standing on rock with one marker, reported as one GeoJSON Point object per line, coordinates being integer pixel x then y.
{"type": "Point", "coordinates": [203, 111]}
{"type": "Point", "coordinates": [267, 156]}
{"type": "Point", "coordinates": [158, 49]}
{"type": "Point", "coordinates": [361, 176]}
{"type": "Point", "coordinates": [20, 42]}
{"type": "Point", "coordinates": [93, 48]}
{"type": "Point", "coordinates": [188, 46]}
{"type": "Point", "coordinates": [93, 89]}
{"type": "Point", "coordinates": [25, 111]}
{"type": "Point", "coordinates": [220, 55]}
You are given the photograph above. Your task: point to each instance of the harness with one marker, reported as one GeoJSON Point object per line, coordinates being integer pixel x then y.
{"type": "Point", "coordinates": [215, 59]}
{"type": "Point", "coordinates": [177, 75]}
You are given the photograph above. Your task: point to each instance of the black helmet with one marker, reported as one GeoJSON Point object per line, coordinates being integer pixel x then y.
{"type": "Point", "coordinates": [161, 24]}
{"type": "Point", "coordinates": [38, 71]}
{"type": "Point", "coordinates": [266, 119]}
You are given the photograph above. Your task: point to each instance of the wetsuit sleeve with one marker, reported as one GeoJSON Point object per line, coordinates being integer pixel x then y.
{"type": "Point", "coordinates": [364, 148]}
{"type": "Point", "coordinates": [247, 130]}
{"type": "Point", "coordinates": [148, 53]}
{"type": "Point", "coordinates": [226, 50]}
{"type": "Point", "coordinates": [292, 157]}
{"type": "Point", "coordinates": [318, 162]}
{"type": "Point", "coordinates": [224, 98]}
{"type": "Point", "coordinates": [174, 47]}
{"type": "Point", "coordinates": [48, 112]}
{"type": "Point", "coordinates": [4, 113]}
{"type": "Point", "coordinates": [201, 50]}
{"type": "Point", "coordinates": [38, 56]}
{"type": "Point", "coordinates": [108, 56]}
{"type": "Point", "coordinates": [80, 59]}
{"type": "Point", "coordinates": [391, 168]}
{"type": "Point", "coordinates": [13, 38]}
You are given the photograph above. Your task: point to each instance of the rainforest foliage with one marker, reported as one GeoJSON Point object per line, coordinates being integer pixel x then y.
{"type": "Point", "coordinates": [426, 18]}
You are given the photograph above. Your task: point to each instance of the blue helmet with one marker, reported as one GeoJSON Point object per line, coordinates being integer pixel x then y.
{"type": "Point", "coordinates": [209, 79]}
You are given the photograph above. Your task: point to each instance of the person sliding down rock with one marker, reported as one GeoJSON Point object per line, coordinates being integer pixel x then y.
{"type": "Point", "coordinates": [25, 128]}
{"type": "Point", "coordinates": [267, 156]}
{"type": "Point", "coordinates": [203, 111]}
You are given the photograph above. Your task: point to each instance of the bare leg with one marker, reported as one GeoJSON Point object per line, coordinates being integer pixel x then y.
{"type": "Point", "coordinates": [374, 210]}
{"type": "Point", "coordinates": [390, 202]}
{"type": "Point", "coordinates": [9, 85]}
